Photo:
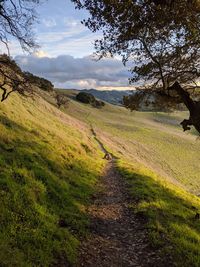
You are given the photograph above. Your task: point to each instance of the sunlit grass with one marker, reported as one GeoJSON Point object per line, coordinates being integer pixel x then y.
{"type": "Point", "coordinates": [153, 138]}
{"type": "Point", "coordinates": [152, 152]}
{"type": "Point", "coordinates": [49, 167]}
{"type": "Point", "coordinates": [170, 213]}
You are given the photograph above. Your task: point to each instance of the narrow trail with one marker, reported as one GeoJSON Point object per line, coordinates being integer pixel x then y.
{"type": "Point", "coordinates": [118, 238]}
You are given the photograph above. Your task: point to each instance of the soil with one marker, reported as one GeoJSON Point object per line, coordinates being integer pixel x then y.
{"type": "Point", "coordinates": [118, 238]}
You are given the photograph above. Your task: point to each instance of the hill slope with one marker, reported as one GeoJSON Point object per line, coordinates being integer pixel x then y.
{"type": "Point", "coordinates": [154, 139]}
{"type": "Point", "coordinates": [160, 164]}
{"type": "Point", "coordinates": [114, 97]}
{"type": "Point", "coordinates": [49, 167]}
{"type": "Point", "coordinates": [50, 164]}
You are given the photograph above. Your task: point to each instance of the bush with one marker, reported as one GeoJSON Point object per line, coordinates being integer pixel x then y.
{"type": "Point", "coordinates": [87, 98]}
{"type": "Point", "coordinates": [42, 83]}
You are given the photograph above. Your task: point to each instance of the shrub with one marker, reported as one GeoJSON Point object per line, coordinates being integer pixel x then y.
{"type": "Point", "coordinates": [89, 99]}
{"type": "Point", "coordinates": [42, 83]}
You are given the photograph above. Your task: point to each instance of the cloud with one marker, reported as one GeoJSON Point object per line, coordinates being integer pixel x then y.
{"type": "Point", "coordinates": [49, 22]}
{"type": "Point", "coordinates": [71, 22]}
{"type": "Point", "coordinates": [40, 53]}
{"type": "Point", "coordinates": [69, 72]}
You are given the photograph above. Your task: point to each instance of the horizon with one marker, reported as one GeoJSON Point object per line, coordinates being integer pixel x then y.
{"type": "Point", "coordinates": [102, 90]}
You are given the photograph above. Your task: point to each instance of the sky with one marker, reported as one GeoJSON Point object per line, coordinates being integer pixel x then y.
{"type": "Point", "coordinates": [65, 53]}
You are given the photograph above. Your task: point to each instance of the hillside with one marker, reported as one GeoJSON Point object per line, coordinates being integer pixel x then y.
{"type": "Point", "coordinates": [114, 97]}
{"type": "Point", "coordinates": [161, 164]}
{"type": "Point", "coordinates": [143, 100]}
{"type": "Point", "coordinates": [50, 167]}
{"type": "Point", "coordinates": [154, 139]}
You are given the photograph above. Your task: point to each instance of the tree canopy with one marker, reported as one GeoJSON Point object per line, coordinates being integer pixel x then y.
{"type": "Point", "coordinates": [88, 98]}
{"type": "Point", "coordinates": [40, 82]}
{"type": "Point", "coordinates": [161, 38]}
{"type": "Point", "coordinates": [16, 21]}
{"type": "Point", "coordinates": [12, 79]}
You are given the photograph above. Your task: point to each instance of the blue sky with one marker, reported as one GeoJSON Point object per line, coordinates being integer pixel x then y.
{"type": "Point", "coordinates": [64, 42]}
{"type": "Point", "coordinates": [60, 30]}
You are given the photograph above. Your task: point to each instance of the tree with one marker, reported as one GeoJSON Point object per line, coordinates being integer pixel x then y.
{"type": "Point", "coordinates": [161, 37]}
{"type": "Point", "coordinates": [61, 99]}
{"type": "Point", "coordinates": [12, 79]}
{"type": "Point", "coordinates": [40, 82]}
{"type": "Point", "coordinates": [16, 20]}
{"type": "Point", "coordinates": [88, 98]}
{"type": "Point", "coordinates": [85, 98]}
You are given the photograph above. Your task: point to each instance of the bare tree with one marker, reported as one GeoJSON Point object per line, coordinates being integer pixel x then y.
{"type": "Point", "coordinates": [16, 21]}
{"type": "Point", "coordinates": [61, 99]}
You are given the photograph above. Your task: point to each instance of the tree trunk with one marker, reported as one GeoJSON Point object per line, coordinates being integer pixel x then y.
{"type": "Point", "coordinates": [192, 106]}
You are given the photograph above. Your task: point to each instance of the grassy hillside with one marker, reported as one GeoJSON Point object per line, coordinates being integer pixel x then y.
{"type": "Point", "coordinates": [159, 162]}
{"type": "Point", "coordinates": [154, 139]}
{"type": "Point", "coordinates": [49, 166]}
{"type": "Point", "coordinates": [169, 212]}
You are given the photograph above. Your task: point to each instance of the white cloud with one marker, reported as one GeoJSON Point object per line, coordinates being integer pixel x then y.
{"type": "Point", "coordinates": [71, 22]}
{"type": "Point", "coordinates": [49, 22]}
{"type": "Point", "coordinates": [66, 71]}
{"type": "Point", "coordinates": [78, 47]}
{"type": "Point", "coordinates": [40, 54]}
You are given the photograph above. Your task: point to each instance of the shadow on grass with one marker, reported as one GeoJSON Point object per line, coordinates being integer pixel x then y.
{"type": "Point", "coordinates": [170, 213]}
{"type": "Point", "coordinates": [10, 124]}
{"type": "Point", "coordinates": [38, 191]}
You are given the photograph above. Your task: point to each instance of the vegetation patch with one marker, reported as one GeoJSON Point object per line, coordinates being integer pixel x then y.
{"type": "Point", "coordinates": [48, 171]}
{"type": "Point", "coordinates": [40, 82]}
{"type": "Point", "coordinates": [88, 98]}
{"type": "Point", "coordinates": [171, 213]}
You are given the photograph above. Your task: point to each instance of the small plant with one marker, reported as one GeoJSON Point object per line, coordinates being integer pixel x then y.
{"type": "Point", "coordinates": [61, 100]}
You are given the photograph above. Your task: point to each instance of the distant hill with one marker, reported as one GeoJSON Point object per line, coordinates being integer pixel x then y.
{"type": "Point", "coordinates": [111, 96]}
{"type": "Point", "coordinates": [142, 99]}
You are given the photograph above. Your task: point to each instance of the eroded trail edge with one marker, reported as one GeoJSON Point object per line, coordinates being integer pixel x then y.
{"type": "Point", "coordinates": [118, 237]}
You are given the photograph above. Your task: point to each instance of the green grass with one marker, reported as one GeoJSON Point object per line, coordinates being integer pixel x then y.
{"type": "Point", "coordinates": [154, 139]}
{"type": "Point", "coordinates": [159, 162]}
{"type": "Point", "coordinates": [49, 167]}
{"type": "Point", "coordinates": [170, 213]}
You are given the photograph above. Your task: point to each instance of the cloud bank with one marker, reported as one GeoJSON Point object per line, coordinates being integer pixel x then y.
{"type": "Point", "coordinates": [69, 72]}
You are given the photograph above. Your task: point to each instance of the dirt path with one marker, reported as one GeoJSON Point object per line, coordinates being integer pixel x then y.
{"type": "Point", "coordinates": [118, 238]}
